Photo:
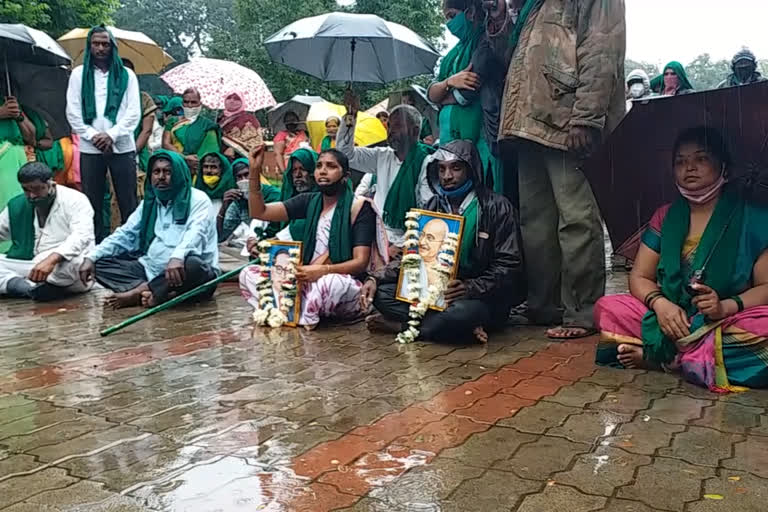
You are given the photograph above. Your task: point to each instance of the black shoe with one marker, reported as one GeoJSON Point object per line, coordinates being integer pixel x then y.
{"type": "Point", "coordinates": [19, 288]}
{"type": "Point", "coordinates": [47, 292]}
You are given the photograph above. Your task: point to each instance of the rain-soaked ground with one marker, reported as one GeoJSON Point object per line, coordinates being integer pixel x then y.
{"type": "Point", "coordinates": [192, 411]}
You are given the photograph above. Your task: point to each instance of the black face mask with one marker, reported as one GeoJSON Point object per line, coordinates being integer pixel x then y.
{"type": "Point", "coordinates": [332, 189]}
{"type": "Point", "coordinates": [291, 127]}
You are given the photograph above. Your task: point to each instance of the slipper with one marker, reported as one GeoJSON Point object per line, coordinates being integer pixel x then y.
{"type": "Point", "coordinates": [588, 331]}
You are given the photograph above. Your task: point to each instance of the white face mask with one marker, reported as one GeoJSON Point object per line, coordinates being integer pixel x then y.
{"type": "Point", "coordinates": [191, 113]}
{"type": "Point", "coordinates": [637, 90]}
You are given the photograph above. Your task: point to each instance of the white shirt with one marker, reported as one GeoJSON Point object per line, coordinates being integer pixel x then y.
{"type": "Point", "coordinates": [382, 162]}
{"type": "Point", "coordinates": [128, 115]}
{"type": "Point", "coordinates": [68, 229]}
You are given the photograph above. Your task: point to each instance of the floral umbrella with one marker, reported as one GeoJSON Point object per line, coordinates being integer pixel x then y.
{"type": "Point", "coordinates": [215, 79]}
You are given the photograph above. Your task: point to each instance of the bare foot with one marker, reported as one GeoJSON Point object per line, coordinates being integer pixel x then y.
{"type": "Point", "coordinates": [309, 327]}
{"type": "Point", "coordinates": [377, 323]}
{"type": "Point", "coordinates": [148, 300]}
{"type": "Point", "coordinates": [569, 333]}
{"type": "Point", "coordinates": [126, 299]}
{"type": "Point", "coordinates": [631, 356]}
{"type": "Point", "coordinates": [481, 335]}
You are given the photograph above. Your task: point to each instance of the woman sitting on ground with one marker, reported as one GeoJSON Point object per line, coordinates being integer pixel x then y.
{"type": "Point", "coordinates": [699, 286]}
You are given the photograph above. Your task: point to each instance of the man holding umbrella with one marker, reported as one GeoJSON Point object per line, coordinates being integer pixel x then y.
{"type": "Point", "coordinates": [104, 108]}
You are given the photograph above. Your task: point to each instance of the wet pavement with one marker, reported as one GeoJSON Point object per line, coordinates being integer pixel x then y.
{"type": "Point", "coordinates": [191, 410]}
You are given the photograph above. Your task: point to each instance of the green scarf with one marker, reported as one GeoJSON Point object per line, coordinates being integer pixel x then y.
{"type": "Point", "coordinates": [308, 159]}
{"type": "Point", "coordinates": [22, 216]}
{"type": "Point", "coordinates": [671, 275]}
{"type": "Point", "coordinates": [340, 242]}
{"type": "Point", "coordinates": [401, 197]}
{"type": "Point", "coordinates": [227, 181]}
{"type": "Point", "coordinates": [468, 237]}
{"type": "Point", "coordinates": [54, 157]}
{"type": "Point", "coordinates": [9, 131]}
{"type": "Point", "coordinates": [657, 84]}
{"type": "Point", "coordinates": [117, 83]}
{"type": "Point", "coordinates": [180, 193]}
{"type": "Point", "coordinates": [529, 8]}
{"type": "Point", "coordinates": [195, 134]}
{"type": "Point", "coordinates": [327, 143]}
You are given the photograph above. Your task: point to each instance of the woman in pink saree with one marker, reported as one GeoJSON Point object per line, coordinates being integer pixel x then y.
{"type": "Point", "coordinates": [699, 286]}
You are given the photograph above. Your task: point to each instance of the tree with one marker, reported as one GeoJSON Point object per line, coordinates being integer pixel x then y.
{"type": "Point", "coordinates": [57, 16]}
{"type": "Point", "coordinates": [705, 73]}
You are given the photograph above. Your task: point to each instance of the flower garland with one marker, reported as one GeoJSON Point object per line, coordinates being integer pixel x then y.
{"type": "Point", "coordinates": [267, 313]}
{"type": "Point", "coordinates": [412, 267]}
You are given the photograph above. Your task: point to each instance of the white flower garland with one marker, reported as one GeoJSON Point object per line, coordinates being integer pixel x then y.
{"type": "Point", "coordinates": [267, 313]}
{"type": "Point", "coordinates": [411, 263]}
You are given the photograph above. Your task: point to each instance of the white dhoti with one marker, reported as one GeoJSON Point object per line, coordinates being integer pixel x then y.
{"type": "Point", "coordinates": [65, 275]}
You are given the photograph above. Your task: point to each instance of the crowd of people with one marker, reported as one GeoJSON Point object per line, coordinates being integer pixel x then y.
{"type": "Point", "coordinates": [507, 159]}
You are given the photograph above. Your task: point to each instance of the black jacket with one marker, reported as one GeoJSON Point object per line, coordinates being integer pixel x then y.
{"type": "Point", "coordinates": [497, 263]}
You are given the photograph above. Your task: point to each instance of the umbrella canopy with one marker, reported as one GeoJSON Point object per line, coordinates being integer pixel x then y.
{"type": "Point", "coordinates": [146, 55]}
{"type": "Point", "coordinates": [298, 104]}
{"type": "Point", "coordinates": [344, 47]}
{"type": "Point", "coordinates": [368, 131]}
{"type": "Point", "coordinates": [42, 89]}
{"type": "Point", "coordinates": [215, 79]}
{"type": "Point", "coordinates": [632, 174]}
{"type": "Point", "coordinates": [31, 46]}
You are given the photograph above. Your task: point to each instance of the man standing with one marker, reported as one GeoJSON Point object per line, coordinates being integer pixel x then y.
{"type": "Point", "coordinates": [51, 229]}
{"type": "Point", "coordinates": [744, 70]}
{"type": "Point", "coordinates": [564, 94]}
{"type": "Point", "coordinates": [104, 108]}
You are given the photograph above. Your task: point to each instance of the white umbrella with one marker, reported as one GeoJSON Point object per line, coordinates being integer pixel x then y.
{"type": "Point", "coordinates": [343, 47]}
{"type": "Point", "coordinates": [299, 104]}
{"type": "Point", "coordinates": [215, 79]}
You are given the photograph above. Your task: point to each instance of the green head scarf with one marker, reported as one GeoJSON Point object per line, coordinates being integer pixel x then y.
{"type": "Point", "coordinates": [657, 84]}
{"type": "Point", "coordinates": [227, 181]}
{"type": "Point", "coordinates": [308, 159]}
{"type": "Point", "coordinates": [117, 82]}
{"type": "Point", "coordinates": [180, 192]}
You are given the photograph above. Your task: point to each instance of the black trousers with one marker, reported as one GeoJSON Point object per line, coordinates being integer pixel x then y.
{"type": "Point", "coordinates": [454, 325]}
{"type": "Point", "coordinates": [124, 273]}
{"type": "Point", "coordinates": [93, 174]}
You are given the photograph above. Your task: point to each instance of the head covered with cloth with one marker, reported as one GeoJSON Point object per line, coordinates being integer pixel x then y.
{"type": "Point", "coordinates": [169, 182]}
{"type": "Point", "coordinates": [101, 51]}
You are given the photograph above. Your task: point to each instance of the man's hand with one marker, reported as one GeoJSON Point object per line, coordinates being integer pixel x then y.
{"type": "Point", "coordinates": [192, 162]}
{"type": "Point", "coordinates": [102, 141]}
{"type": "Point", "coordinates": [582, 140]}
{"type": "Point", "coordinates": [465, 80]}
{"type": "Point", "coordinates": [352, 102]}
{"type": "Point", "coordinates": [252, 245]}
{"type": "Point", "coordinates": [455, 291]}
{"type": "Point", "coordinates": [495, 8]}
{"type": "Point", "coordinates": [42, 270]}
{"type": "Point", "coordinates": [708, 302]}
{"type": "Point", "coordinates": [174, 272]}
{"type": "Point", "coordinates": [310, 273]}
{"type": "Point", "coordinates": [86, 271]}
{"type": "Point", "coordinates": [11, 109]}
{"type": "Point", "coordinates": [367, 293]}
{"type": "Point", "coordinates": [231, 196]}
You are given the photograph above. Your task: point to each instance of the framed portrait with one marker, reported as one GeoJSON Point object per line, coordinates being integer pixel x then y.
{"type": "Point", "coordinates": [433, 228]}
{"type": "Point", "coordinates": [280, 270]}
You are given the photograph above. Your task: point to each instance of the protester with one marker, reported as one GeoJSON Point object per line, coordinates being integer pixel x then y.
{"type": "Point", "coordinates": [215, 178]}
{"type": "Point", "coordinates": [701, 274]}
{"type": "Point", "coordinates": [673, 81]}
{"type": "Point", "coordinates": [289, 140]}
{"type": "Point", "coordinates": [233, 213]}
{"type": "Point", "coordinates": [367, 186]}
{"type": "Point", "coordinates": [400, 169]}
{"type": "Point", "coordinates": [331, 129]}
{"type": "Point", "coordinates": [491, 278]}
{"type": "Point", "coordinates": [638, 87]}
{"type": "Point", "coordinates": [167, 247]}
{"type": "Point", "coordinates": [241, 131]}
{"type": "Point", "coordinates": [555, 119]}
{"type": "Point", "coordinates": [338, 236]}
{"type": "Point", "coordinates": [383, 116]}
{"type": "Point", "coordinates": [143, 130]}
{"type": "Point", "coordinates": [51, 229]}
{"type": "Point", "coordinates": [744, 70]}
{"type": "Point", "coordinates": [193, 135]}
{"type": "Point", "coordinates": [469, 86]}
{"type": "Point", "coordinates": [103, 108]}
{"type": "Point", "coordinates": [293, 183]}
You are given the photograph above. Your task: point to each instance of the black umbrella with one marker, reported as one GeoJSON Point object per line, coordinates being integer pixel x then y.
{"type": "Point", "coordinates": [632, 174]}
{"type": "Point", "coordinates": [25, 44]}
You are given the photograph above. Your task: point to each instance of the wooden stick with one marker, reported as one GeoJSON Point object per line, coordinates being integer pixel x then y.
{"type": "Point", "coordinates": [165, 305]}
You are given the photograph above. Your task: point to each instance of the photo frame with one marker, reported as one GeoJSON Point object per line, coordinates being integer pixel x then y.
{"type": "Point", "coordinates": [433, 228]}
{"type": "Point", "coordinates": [278, 256]}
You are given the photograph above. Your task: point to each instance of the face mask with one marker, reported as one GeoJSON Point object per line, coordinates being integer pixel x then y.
{"type": "Point", "coordinates": [704, 195]}
{"type": "Point", "coordinates": [211, 181]}
{"type": "Point", "coordinates": [331, 189]}
{"type": "Point", "coordinates": [637, 90]}
{"type": "Point", "coordinates": [743, 74]}
{"type": "Point", "coordinates": [671, 82]}
{"type": "Point", "coordinates": [291, 127]}
{"type": "Point", "coordinates": [191, 113]}
{"type": "Point", "coordinates": [459, 26]}
{"type": "Point", "coordinates": [43, 202]}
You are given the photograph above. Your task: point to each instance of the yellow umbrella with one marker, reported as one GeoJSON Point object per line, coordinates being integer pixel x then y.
{"type": "Point", "coordinates": [369, 130]}
{"type": "Point", "coordinates": [137, 47]}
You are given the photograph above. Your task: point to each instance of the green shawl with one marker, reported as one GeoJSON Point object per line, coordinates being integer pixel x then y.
{"type": "Point", "coordinates": [657, 84]}
{"type": "Point", "coordinates": [721, 239]}
{"type": "Point", "coordinates": [227, 181]}
{"type": "Point", "coordinates": [401, 197]}
{"type": "Point", "coordinates": [308, 159]}
{"type": "Point", "coordinates": [117, 83]}
{"type": "Point", "coordinates": [528, 8]}
{"type": "Point", "coordinates": [340, 242]}
{"type": "Point", "coordinates": [22, 216]}
{"type": "Point", "coordinates": [195, 133]}
{"type": "Point", "coordinates": [54, 157]}
{"type": "Point", "coordinates": [327, 143]}
{"type": "Point", "coordinates": [180, 193]}
{"type": "Point", "coordinates": [10, 131]}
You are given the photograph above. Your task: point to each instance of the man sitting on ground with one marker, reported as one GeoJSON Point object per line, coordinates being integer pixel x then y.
{"type": "Point", "coordinates": [167, 246]}
{"type": "Point", "coordinates": [51, 229]}
{"type": "Point", "coordinates": [491, 279]}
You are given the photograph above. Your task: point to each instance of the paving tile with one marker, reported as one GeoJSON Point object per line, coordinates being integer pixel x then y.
{"type": "Point", "coordinates": [354, 416]}
{"type": "Point", "coordinates": [466, 394]}
{"type": "Point", "coordinates": [538, 363]}
{"type": "Point", "coordinates": [589, 426]}
{"type": "Point", "coordinates": [368, 505]}
{"type": "Point", "coordinates": [678, 409]}
{"type": "Point", "coordinates": [740, 491]}
{"type": "Point", "coordinates": [82, 493]}
{"type": "Point", "coordinates": [35, 422]}
{"type": "Point", "coordinates": [57, 433]}
{"type": "Point", "coordinates": [667, 484]}
{"type": "Point", "coordinates": [611, 377]}
{"type": "Point", "coordinates": [537, 387]}
{"type": "Point", "coordinates": [558, 498]}
{"type": "Point", "coordinates": [492, 409]}
{"type": "Point", "coordinates": [601, 471]}
{"type": "Point", "coordinates": [617, 505]}
{"type": "Point", "coordinates": [702, 446]}
{"type": "Point", "coordinates": [538, 418]}
{"type": "Point", "coordinates": [750, 456]}
{"type": "Point", "coordinates": [485, 448]}
{"type": "Point", "coordinates": [320, 498]}
{"type": "Point", "coordinates": [329, 455]}
{"type": "Point", "coordinates": [538, 460]}
{"type": "Point", "coordinates": [730, 417]}
{"type": "Point", "coordinates": [17, 464]}
{"type": "Point", "coordinates": [398, 424]}
{"type": "Point", "coordinates": [448, 432]}
{"type": "Point", "coordinates": [643, 435]}
{"type": "Point", "coordinates": [626, 400]}
{"type": "Point", "coordinates": [494, 490]}
{"type": "Point", "coordinates": [655, 382]}
{"type": "Point", "coordinates": [18, 489]}
{"type": "Point", "coordinates": [578, 395]}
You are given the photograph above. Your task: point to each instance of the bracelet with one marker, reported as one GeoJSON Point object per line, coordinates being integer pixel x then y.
{"type": "Point", "coordinates": [327, 269]}
{"type": "Point", "coordinates": [738, 301]}
{"type": "Point", "coordinates": [652, 297]}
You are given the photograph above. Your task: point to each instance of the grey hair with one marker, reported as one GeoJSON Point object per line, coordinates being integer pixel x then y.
{"type": "Point", "coordinates": [409, 112]}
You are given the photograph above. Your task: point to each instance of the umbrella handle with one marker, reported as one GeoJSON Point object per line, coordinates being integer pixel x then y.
{"type": "Point", "coordinates": [349, 119]}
